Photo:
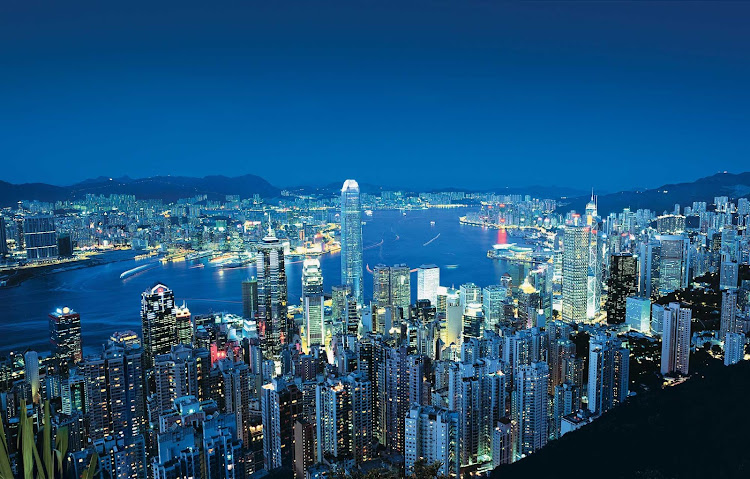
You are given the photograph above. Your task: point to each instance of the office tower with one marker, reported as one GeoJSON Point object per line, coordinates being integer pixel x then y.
{"type": "Point", "coordinates": [559, 351]}
{"type": "Point", "coordinates": [40, 237]}
{"type": "Point", "coordinates": [345, 418]}
{"type": "Point", "coordinates": [351, 239]}
{"type": "Point", "coordinates": [528, 306]}
{"type": "Point", "coordinates": [473, 321]}
{"type": "Point", "coordinates": [502, 443]}
{"type": "Point", "coordinates": [432, 434]}
{"type": "Point", "coordinates": [428, 281]}
{"type": "Point", "coordinates": [31, 375]}
{"type": "Point", "coordinates": [338, 301]}
{"type": "Point", "coordinates": [575, 265]}
{"type": "Point", "coordinates": [493, 301]}
{"type": "Point", "coordinates": [73, 393]}
{"type": "Point", "coordinates": [281, 406]}
{"type": "Point", "coordinates": [649, 259]}
{"type": "Point", "coordinates": [381, 285]}
{"type": "Point", "coordinates": [608, 373]}
{"type": "Point", "coordinates": [728, 275]}
{"type": "Point", "coordinates": [670, 224]}
{"type": "Point", "coordinates": [175, 376]}
{"type": "Point", "coordinates": [232, 387]}
{"type": "Point", "coordinates": [638, 314]}
{"type": "Point", "coordinates": [469, 293]}
{"type": "Point", "coordinates": [312, 297]}
{"type": "Point", "coordinates": [394, 398]}
{"type": "Point", "coordinates": [114, 393]}
{"type": "Point", "coordinates": [184, 325]}
{"type": "Point", "coordinates": [249, 298]}
{"type": "Point", "coordinates": [304, 447]}
{"type": "Point", "coordinates": [401, 289]}
{"type": "Point", "coordinates": [158, 322]}
{"type": "Point", "coordinates": [594, 274]}
{"type": "Point", "coordinates": [734, 348]}
{"type": "Point", "coordinates": [675, 344]}
{"type": "Point", "coordinates": [273, 327]}
{"type": "Point", "coordinates": [65, 335]}
{"type": "Point", "coordinates": [622, 283]}
{"type": "Point", "coordinates": [530, 407]}
{"type": "Point", "coordinates": [728, 313]}
{"type": "Point", "coordinates": [542, 280]}
{"type": "Point", "coordinates": [674, 261]}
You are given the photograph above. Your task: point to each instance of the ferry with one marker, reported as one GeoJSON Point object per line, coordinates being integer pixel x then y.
{"type": "Point", "coordinates": [136, 270]}
{"type": "Point", "coordinates": [432, 223]}
{"type": "Point", "coordinates": [368, 212]}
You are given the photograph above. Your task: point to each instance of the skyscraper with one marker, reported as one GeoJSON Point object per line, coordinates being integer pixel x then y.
{"type": "Point", "coordinates": [184, 325]}
{"type": "Point", "coordinates": [401, 288]}
{"type": "Point", "coordinates": [312, 297]}
{"type": "Point", "coordinates": [530, 407]}
{"type": "Point", "coordinates": [281, 406]}
{"type": "Point", "coordinates": [623, 283]}
{"type": "Point", "coordinates": [249, 298]}
{"type": "Point", "coordinates": [728, 314]}
{"type": "Point", "coordinates": [273, 324]}
{"type": "Point", "coordinates": [432, 434]}
{"type": "Point", "coordinates": [40, 237]}
{"type": "Point", "coordinates": [575, 265]}
{"type": "Point", "coordinates": [734, 348]}
{"type": "Point", "coordinates": [675, 342]}
{"type": "Point", "coordinates": [638, 314]}
{"type": "Point", "coordinates": [65, 335]}
{"type": "Point", "coordinates": [351, 239]}
{"type": "Point", "coordinates": [158, 322]}
{"type": "Point", "coordinates": [673, 263]}
{"type": "Point", "coordinates": [428, 281]}
{"type": "Point", "coordinates": [609, 368]}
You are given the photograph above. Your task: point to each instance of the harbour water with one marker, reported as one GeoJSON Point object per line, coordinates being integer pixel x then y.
{"type": "Point", "coordinates": [108, 303]}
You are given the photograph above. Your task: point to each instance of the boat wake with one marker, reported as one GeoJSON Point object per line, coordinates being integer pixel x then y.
{"type": "Point", "coordinates": [433, 239]}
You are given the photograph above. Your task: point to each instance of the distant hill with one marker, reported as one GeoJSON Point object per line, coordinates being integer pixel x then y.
{"type": "Point", "coordinates": [666, 196]}
{"type": "Point", "coordinates": [167, 188]}
{"type": "Point", "coordinates": [694, 430]}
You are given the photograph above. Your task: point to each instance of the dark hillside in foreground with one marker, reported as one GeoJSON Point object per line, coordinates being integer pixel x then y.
{"type": "Point", "coordinates": [698, 429]}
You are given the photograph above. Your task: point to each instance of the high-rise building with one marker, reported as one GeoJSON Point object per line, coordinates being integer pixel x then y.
{"type": "Point", "coordinates": [734, 348]}
{"type": "Point", "coordinates": [31, 375]}
{"type": "Point", "coordinates": [3, 238]}
{"type": "Point", "coordinates": [622, 283]}
{"type": "Point", "coordinates": [530, 407]}
{"type": "Point", "coordinates": [728, 313]}
{"type": "Point", "coordinates": [158, 322]}
{"type": "Point", "coordinates": [381, 286]}
{"type": "Point", "coordinates": [304, 447]}
{"type": "Point", "coordinates": [184, 325]}
{"type": "Point", "coordinates": [502, 442]}
{"type": "Point", "coordinates": [249, 298]}
{"type": "Point", "coordinates": [432, 434]}
{"type": "Point", "coordinates": [473, 321]}
{"type": "Point", "coordinates": [351, 239]}
{"type": "Point", "coordinates": [273, 323]}
{"type": "Point", "coordinates": [674, 262]}
{"type": "Point", "coordinates": [469, 293]}
{"type": "Point", "coordinates": [428, 281]}
{"type": "Point", "coordinates": [638, 314]}
{"type": "Point", "coordinates": [338, 301]}
{"type": "Point", "coordinates": [493, 302]}
{"type": "Point", "coordinates": [175, 376]}
{"type": "Point", "coordinates": [728, 275]}
{"type": "Point", "coordinates": [65, 335]}
{"type": "Point", "coordinates": [609, 369]}
{"type": "Point", "coordinates": [312, 298]}
{"type": "Point", "coordinates": [40, 237]}
{"type": "Point", "coordinates": [401, 289]}
{"type": "Point", "coordinates": [281, 406]}
{"type": "Point", "coordinates": [675, 343]}
{"type": "Point", "coordinates": [575, 266]}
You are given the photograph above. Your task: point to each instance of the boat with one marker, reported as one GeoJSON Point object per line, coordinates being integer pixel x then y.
{"type": "Point", "coordinates": [136, 270]}
{"type": "Point", "coordinates": [432, 223]}
{"type": "Point", "coordinates": [368, 212]}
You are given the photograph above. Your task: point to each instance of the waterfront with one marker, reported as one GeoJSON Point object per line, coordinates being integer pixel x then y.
{"type": "Point", "coordinates": [107, 303]}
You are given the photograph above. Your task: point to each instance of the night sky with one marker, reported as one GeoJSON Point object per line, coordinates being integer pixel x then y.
{"type": "Point", "coordinates": [426, 94]}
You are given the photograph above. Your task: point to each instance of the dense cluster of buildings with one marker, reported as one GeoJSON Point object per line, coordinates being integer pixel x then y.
{"type": "Point", "coordinates": [471, 377]}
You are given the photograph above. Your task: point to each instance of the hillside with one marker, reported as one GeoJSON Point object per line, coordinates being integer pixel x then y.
{"type": "Point", "coordinates": [695, 430]}
{"type": "Point", "coordinates": [666, 196]}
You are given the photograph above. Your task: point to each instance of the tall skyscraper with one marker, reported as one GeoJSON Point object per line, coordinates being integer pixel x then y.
{"type": "Point", "coordinates": [493, 303]}
{"type": "Point", "coordinates": [31, 375]}
{"type": "Point", "coordinates": [675, 341]}
{"type": "Point", "coordinates": [530, 407]}
{"type": "Point", "coordinates": [351, 239]}
{"type": "Point", "coordinates": [428, 281]}
{"type": "Point", "coordinates": [381, 285]}
{"type": "Point", "coordinates": [609, 369]}
{"type": "Point", "coordinates": [575, 265]}
{"type": "Point", "coordinates": [184, 325]}
{"type": "Point", "coordinates": [65, 335]}
{"type": "Point", "coordinates": [249, 298]}
{"type": "Point", "coordinates": [401, 289]}
{"type": "Point", "coordinates": [728, 313]}
{"type": "Point", "coordinates": [734, 348]}
{"type": "Point", "coordinates": [312, 297]}
{"type": "Point", "coordinates": [281, 406]}
{"type": "Point", "coordinates": [158, 322]}
{"type": "Point", "coordinates": [623, 283]}
{"type": "Point", "coordinates": [638, 314]}
{"type": "Point", "coordinates": [273, 324]}
{"type": "Point", "coordinates": [674, 262]}
{"type": "Point", "coordinates": [473, 321]}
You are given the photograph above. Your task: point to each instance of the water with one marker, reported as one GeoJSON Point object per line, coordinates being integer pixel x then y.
{"type": "Point", "coordinates": [107, 303]}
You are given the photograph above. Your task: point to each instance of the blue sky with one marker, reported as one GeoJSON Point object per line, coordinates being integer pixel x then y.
{"type": "Point", "coordinates": [429, 94]}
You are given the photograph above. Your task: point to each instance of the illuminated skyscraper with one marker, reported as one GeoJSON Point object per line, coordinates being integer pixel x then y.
{"type": "Point", "coordinates": [249, 298]}
{"type": "Point", "coordinates": [184, 325]}
{"type": "Point", "coordinates": [351, 239]}
{"type": "Point", "coordinates": [312, 297]}
{"type": "Point", "coordinates": [623, 283]}
{"type": "Point", "coordinates": [40, 237]}
{"type": "Point", "coordinates": [575, 273]}
{"type": "Point", "coordinates": [432, 434]}
{"type": "Point", "coordinates": [728, 314]}
{"type": "Point", "coordinates": [428, 281]}
{"type": "Point", "coordinates": [381, 286]}
{"type": "Point", "coordinates": [65, 335]}
{"type": "Point", "coordinates": [273, 324]}
{"type": "Point", "coordinates": [31, 374]}
{"type": "Point", "coordinates": [158, 322]}
{"type": "Point", "coordinates": [734, 348]}
{"type": "Point", "coordinates": [673, 263]}
{"type": "Point", "coordinates": [401, 288]}
{"type": "Point", "coordinates": [530, 407]}
{"type": "Point", "coordinates": [675, 342]}
{"type": "Point", "coordinates": [609, 366]}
